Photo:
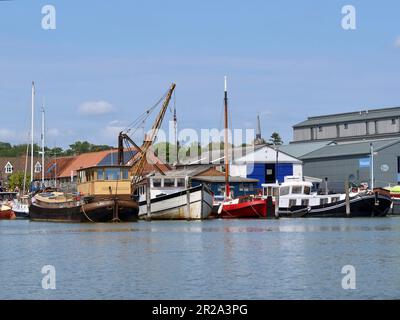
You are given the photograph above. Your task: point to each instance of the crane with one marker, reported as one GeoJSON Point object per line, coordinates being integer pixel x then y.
{"type": "Point", "coordinates": [138, 161]}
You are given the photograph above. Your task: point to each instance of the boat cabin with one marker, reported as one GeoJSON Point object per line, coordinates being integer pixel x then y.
{"type": "Point", "coordinates": [104, 181]}
{"type": "Point", "coordinates": [162, 185]}
{"type": "Point", "coordinates": [294, 191]}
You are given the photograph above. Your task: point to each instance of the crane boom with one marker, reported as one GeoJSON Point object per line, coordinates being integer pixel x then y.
{"type": "Point", "coordinates": [138, 162]}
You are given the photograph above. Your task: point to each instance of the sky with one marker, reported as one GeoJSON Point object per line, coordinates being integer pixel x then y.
{"type": "Point", "coordinates": [108, 61]}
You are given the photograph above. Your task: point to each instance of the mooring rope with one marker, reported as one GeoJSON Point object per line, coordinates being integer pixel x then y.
{"type": "Point", "coordinates": [83, 210]}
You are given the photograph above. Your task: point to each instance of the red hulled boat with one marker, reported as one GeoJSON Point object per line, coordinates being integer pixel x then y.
{"type": "Point", "coordinates": [6, 213]}
{"type": "Point", "coordinates": [242, 207]}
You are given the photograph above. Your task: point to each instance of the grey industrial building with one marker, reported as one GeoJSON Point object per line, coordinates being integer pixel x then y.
{"type": "Point", "coordinates": [350, 126]}
{"type": "Point", "coordinates": [338, 147]}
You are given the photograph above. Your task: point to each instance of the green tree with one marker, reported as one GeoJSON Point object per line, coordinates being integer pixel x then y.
{"type": "Point", "coordinates": [276, 139]}
{"type": "Point", "coordinates": [17, 180]}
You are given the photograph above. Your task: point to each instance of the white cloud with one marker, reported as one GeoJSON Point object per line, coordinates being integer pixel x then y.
{"type": "Point", "coordinates": [53, 133]}
{"type": "Point", "coordinates": [7, 135]}
{"type": "Point", "coordinates": [96, 108]}
{"type": "Point", "coordinates": [397, 42]}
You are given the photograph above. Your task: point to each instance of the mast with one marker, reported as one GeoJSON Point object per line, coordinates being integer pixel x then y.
{"type": "Point", "coordinates": [42, 138]}
{"type": "Point", "coordinates": [32, 127]}
{"type": "Point", "coordinates": [176, 132]}
{"type": "Point", "coordinates": [26, 166]}
{"type": "Point", "coordinates": [226, 156]}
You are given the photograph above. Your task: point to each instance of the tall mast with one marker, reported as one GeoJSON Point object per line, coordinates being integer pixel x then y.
{"type": "Point", "coordinates": [32, 127]}
{"type": "Point", "coordinates": [176, 132]}
{"type": "Point", "coordinates": [226, 156]}
{"type": "Point", "coordinates": [42, 136]}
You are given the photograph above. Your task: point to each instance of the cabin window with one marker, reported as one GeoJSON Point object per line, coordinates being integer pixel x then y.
{"type": "Point", "coordinates": [112, 174]}
{"type": "Point", "coordinates": [156, 183]}
{"type": "Point", "coordinates": [324, 201]}
{"type": "Point", "coordinates": [305, 202]}
{"type": "Point", "coordinates": [82, 176]}
{"type": "Point", "coordinates": [180, 182]}
{"type": "Point", "coordinates": [393, 121]}
{"type": "Point", "coordinates": [335, 199]}
{"type": "Point", "coordinates": [292, 202]}
{"type": "Point", "coordinates": [38, 167]}
{"type": "Point", "coordinates": [169, 182]}
{"type": "Point", "coordinates": [285, 191]}
{"type": "Point", "coordinates": [346, 126]}
{"type": "Point", "coordinates": [320, 129]}
{"type": "Point", "coordinates": [296, 189]}
{"type": "Point", "coordinates": [8, 168]}
{"type": "Point", "coordinates": [251, 187]}
{"type": "Point", "coordinates": [125, 174]}
{"type": "Point", "coordinates": [100, 174]}
{"type": "Point", "coordinates": [307, 190]}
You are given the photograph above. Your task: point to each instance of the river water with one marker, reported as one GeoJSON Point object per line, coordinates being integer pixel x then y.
{"type": "Point", "coordinates": [214, 259]}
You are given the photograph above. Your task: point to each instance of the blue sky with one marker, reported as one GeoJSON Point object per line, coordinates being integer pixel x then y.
{"type": "Point", "coordinates": [284, 59]}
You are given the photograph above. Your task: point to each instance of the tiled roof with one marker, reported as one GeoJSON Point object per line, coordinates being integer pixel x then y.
{"type": "Point", "coordinates": [18, 164]}
{"type": "Point", "coordinates": [83, 161]}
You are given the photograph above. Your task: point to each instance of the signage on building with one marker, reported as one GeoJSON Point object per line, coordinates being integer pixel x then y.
{"type": "Point", "coordinates": [364, 162]}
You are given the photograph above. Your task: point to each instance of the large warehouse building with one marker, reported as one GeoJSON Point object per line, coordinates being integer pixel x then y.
{"type": "Point", "coordinates": [338, 147]}
{"type": "Point", "coordinates": [351, 126]}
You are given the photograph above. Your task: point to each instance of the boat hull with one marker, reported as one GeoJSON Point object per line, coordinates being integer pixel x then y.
{"type": "Point", "coordinates": [360, 206]}
{"type": "Point", "coordinates": [246, 210]}
{"type": "Point", "coordinates": [96, 211]}
{"type": "Point", "coordinates": [175, 206]}
{"type": "Point", "coordinates": [7, 215]}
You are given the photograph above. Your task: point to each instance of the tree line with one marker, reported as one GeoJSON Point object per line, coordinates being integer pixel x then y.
{"type": "Point", "coordinates": [78, 147]}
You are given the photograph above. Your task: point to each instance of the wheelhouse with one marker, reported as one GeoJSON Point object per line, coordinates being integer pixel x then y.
{"type": "Point", "coordinates": [104, 180]}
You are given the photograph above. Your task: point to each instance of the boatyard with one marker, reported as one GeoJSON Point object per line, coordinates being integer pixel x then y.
{"type": "Point", "coordinates": [123, 191]}
{"type": "Point", "coordinates": [199, 151]}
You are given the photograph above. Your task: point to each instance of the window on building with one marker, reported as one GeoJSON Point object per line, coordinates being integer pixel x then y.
{"type": "Point", "coordinates": [393, 121]}
{"type": "Point", "coordinates": [346, 126]}
{"type": "Point", "coordinates": [169, 182]}
{"type": "Point", "coordinates": [38, 167]}
{"type": "Point", "coordinates": [156, 183]}
{"type": "Point", "coordinates": [8, 168]}
{"type": "Point", "coordinates": [320, 129]}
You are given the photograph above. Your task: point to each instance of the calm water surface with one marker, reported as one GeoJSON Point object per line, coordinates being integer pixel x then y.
{"type": "Point", "coordinates": [215, 259]}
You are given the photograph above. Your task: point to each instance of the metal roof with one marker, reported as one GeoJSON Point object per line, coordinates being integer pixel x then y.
{"type": "Point", "coordinates": [350, 117]}
{"type": "Point", "coordinates": [298, 150]}
{"type": "Point", "coordinates": [217, 156]}
{"type": "Point", "coordinates": [350, 149]}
